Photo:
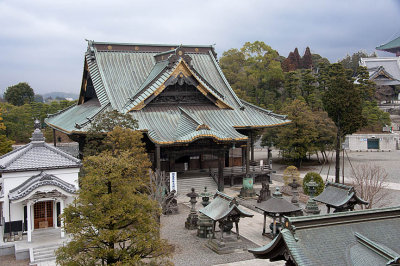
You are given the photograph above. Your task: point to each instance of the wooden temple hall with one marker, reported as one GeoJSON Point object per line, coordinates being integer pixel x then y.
{"type": "Point", "coordinates": [190, 116]}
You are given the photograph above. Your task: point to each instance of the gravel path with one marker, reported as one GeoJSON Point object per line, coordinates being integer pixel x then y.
{"type": "Point", "coordinates": [191, 250]}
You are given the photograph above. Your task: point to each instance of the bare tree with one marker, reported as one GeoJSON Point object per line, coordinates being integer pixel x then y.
{"type": "Point", "coordinates": [158, 186]}
{"type": "Point", "coordinates": [369, 181]}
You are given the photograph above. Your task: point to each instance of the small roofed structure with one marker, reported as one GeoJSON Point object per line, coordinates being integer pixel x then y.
{"type": "Point", "coordinates": [340, 197]}
{"type": "Point", "coordinates": [225, 210]}
{"type": "Point", "coordinates": [276, 207]}
{"type": "Point", "coordinates": [367, 237]}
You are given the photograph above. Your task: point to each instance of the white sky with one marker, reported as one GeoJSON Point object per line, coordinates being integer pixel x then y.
{"type": "Point", "coordinates": [42, 42]}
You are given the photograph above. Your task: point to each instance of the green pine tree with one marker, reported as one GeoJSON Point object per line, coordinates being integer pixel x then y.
{"type": "Point", "coordinates": [113, 220]}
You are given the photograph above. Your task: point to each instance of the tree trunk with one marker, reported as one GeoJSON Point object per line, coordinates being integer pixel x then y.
{"type": "Point", "coordinates": [337, 169]}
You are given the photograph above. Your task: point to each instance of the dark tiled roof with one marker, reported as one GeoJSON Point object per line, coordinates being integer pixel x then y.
{"type": "Point", "coordinates": [368, 237]}
{"type": "Point", "coordinates": [40, 180]}
{"type": "Point", "coordinates": [222, 206]}
{"type": "Point", "coordinates": [337, 195]}
{"type": "Point", "coordinates": [36, 155]}
{"type": "Point", "coordinates": [277, 205]}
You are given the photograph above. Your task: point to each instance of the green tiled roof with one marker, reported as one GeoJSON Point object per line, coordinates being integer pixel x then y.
{"type": "Point", "coordinates": [125, 75]}
{"type": "Point", "coordinates": [223, 205]}
{"type": "Point", "coordinates": [394, 44]}
{"type": "Point", "coordinates": [349, 238]}
{"type": "Point", "coordinates": [337, 195]}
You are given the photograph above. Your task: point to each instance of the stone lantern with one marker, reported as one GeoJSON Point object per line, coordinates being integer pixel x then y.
{"type": "Point", "coordinates": [312, 207]}
{"type": "Point", "coordinates": [294, 185]}
{"type": "Point", "coordinates": [205, 223]}
{"type": "Point", "coordinates": [191, 221]}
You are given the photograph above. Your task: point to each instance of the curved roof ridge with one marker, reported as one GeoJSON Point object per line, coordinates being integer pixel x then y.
{"type": "Point", "coordinates": [39, 180]}
{"type": "Point", "coordinates": [22, 150]}
{"type": "Point", "coordinates": [225, 80]}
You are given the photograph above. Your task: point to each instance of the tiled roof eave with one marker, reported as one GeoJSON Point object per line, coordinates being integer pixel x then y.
{"type": "Point", "coordinates": [39, 168]}
{"type": "Point", "coordinates": [262, 126]}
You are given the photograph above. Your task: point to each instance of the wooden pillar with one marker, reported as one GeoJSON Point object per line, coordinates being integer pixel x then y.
{"type": "Point", "coordinates": [237, 229]}
{"type": "Point", "coordinates": [54, 138]}
{"type": "Point", "coordinates": [158, 157]}
{"type": "Point", "coordinates": [265, 222]}
{"type": "Point", "coordinates": [172, 162]}
{"type": "Point", "coordinates": [247, 157]}
{"type": "Point", "coordinates": [221, 164]}
{"type": "Point", "coordinates": [243, 157]}
{"type": "Point", "coordinates": [251, 146]}
{"type": "Point", "coordinates": [201, 161]}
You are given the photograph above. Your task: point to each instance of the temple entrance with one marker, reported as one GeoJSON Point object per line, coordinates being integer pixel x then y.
{"type": "Point", "coordinates": [43, 214]}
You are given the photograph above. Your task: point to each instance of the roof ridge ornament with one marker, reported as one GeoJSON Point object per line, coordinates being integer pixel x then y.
{"type": "Point", "coordinates": [37, 135]}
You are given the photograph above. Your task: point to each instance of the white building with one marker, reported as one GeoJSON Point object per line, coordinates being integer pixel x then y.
{"type": "Point", "coordinates": [372, 142]}
{"type": "Point", "coordinates": [37, 181]}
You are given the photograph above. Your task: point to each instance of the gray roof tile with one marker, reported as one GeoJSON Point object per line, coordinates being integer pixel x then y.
{"type": "Point", "coordinates": [36, 155]}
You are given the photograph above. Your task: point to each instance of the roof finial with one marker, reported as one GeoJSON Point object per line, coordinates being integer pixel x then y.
{"type": "Point", "coordinates": [37, 135]}
{"type": "Point", "coordinates": [36, 124]}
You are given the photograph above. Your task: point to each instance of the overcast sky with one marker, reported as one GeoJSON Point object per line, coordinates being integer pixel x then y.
{"type": "Point", "coordinates": [42, 42]}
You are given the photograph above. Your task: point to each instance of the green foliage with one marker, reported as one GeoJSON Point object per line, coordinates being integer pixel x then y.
{"type": "Point", "coordinates": [309, 132]}
{"type": "Point", "coordinates": [113, 220]}
{"type": "Point", "coordinates": [317, 179]}
{"type": "Point", "coordinates": [352, 62]}
{"type": "Point", "coordinates": [291, 173]}
{"type": "Point", "coordinates": [342, 100]}
{"type": "Point", "coordinates": [254, 72]}
{"type": "Point", "coordinates": [5, 144]}
{"type": "Point", "coordinates": [19, 119]}
{"type": "Point", "coordinates": [103, 123]}
{"type": "Point", "coordinates": [19, 94]}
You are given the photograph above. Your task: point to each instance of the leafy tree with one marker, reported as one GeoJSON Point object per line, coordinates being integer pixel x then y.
{"type": "Point", "coordinates": [306, 61]}
{"type": "Point", "coordinates": [317, 179]}
{"type": "Point", "coordinates": [113, 220]}
{"type": "Point", "coordinates": [19, 94]}
{"type": "Point", "coordinates": [352, 62]}
{"type": "Point", "coordinates": [254, 72]}
{"type": "Point", "coordinates": [5, 144]}
{"type": "Point", "coordinates": [298, 138]}
{"type": "Point", "coordinates": [103, 123]}
{"type": "Point", "coordinates": [19, 119]}
{"type": "Point", "coordinates": [292, 85]}
{"type": "Point", "coordinates": [291, 173]}
{"type": "Point", "coordinates": [343, 103]}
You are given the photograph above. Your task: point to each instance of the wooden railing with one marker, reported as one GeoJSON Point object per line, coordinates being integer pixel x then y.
{"type": "Point", "coordinates": [236, 172]}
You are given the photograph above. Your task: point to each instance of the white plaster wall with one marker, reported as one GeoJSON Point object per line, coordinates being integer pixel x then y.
{"type": "Point", "coordinates": [12, 180]}
{"type": "Point", "coordinates": [387, 142]}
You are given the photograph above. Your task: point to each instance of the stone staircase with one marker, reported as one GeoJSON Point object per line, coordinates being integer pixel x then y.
{"type": "Point", "coordinates": [42, 254]}
{"type": "Point", "coordinates": [198, 183]}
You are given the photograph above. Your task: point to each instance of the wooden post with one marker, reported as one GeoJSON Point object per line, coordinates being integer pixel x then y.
{"type": "Point", "coordinates": [54, 138]}
{"type": "Point", "coordinates": [251, 146]}
{"type": "Point", "coordinates": [158, 157]}
{"type": "Point", "coordinates": [172, 162]}
{"type": "Point", "coordinates": [221, 164]}
{"type": "Point", "coordinates": [247, 157]}
{"type": "Point", "coordinates": [265, 222]}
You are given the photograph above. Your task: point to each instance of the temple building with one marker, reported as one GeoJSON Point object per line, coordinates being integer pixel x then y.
{"type": "Point", "coordinates": [189, 115]}
{"type": "Point", "coordinates": [37, 181]}
{"type": "Point", "coordinates": [385, 71]}
{"type": "Point", "coordinates": [367, 237]}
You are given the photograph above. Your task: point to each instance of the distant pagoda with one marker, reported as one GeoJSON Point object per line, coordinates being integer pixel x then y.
{"type": "Point", "coordinates": [391, 47]}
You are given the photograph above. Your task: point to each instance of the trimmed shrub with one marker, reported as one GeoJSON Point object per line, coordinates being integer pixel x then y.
{"type": "Point", "coordinates": [291, 173]}
{"type": "Point", "coordinates": [318, 179]}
